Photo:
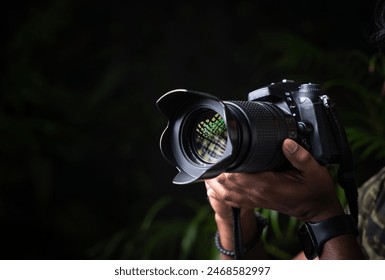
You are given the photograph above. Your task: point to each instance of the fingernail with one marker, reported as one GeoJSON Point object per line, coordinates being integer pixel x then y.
{"type": "Point", "coordinates": [291, 146]}
{"type": "Point", "coordinates": [210, 193]}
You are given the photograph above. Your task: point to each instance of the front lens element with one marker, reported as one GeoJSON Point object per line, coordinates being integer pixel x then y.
{"type": "Point", "coordinates": [209, 137]}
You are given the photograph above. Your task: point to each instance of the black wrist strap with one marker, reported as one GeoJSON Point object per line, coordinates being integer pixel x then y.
{"type": "Point", "coordinates": [239, 250]}
{"type": "Point", "coordinates": [313, 236]}
{"type": "Point", "coordinates": [333, 227]}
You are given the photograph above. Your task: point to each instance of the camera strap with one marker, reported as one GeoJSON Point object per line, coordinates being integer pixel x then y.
{"type": "Point", "coordinates": [237, 234]}
{"type": "Point", "coordinates": [345, 175]}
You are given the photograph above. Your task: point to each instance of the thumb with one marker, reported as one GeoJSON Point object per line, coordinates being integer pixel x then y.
{"type": "Point", "coordinates": [298, 156]}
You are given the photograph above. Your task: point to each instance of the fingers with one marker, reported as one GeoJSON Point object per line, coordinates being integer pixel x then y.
{"type": "Point", "coordinates": [298, 156]}
{"type": "Point", "coordinates": [222, 193]}
{"type": "Point", "coordinates": [221, 189]}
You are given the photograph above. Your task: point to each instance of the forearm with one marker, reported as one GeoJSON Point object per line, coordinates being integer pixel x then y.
{"type": "Point", "coordinates": [343, 247]}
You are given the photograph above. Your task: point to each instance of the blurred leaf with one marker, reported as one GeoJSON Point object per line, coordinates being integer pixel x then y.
{"type": "Point", "coordinates": [153, 211]}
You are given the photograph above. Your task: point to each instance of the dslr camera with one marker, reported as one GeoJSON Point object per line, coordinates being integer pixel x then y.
{"type": "Point", "coordinates": [206, 136]}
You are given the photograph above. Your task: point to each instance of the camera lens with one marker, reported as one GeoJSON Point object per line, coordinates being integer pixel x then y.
{"type": "Point", "coordinates": [209, 137]}
{"type": "Point", "coordinates": [206, 136]}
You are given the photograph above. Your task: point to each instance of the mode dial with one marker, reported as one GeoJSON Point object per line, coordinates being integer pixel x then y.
{"type": "Point", "coordinates": [309, 87]}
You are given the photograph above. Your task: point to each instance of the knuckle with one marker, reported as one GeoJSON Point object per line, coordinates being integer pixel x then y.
{"type": "Point", "coordinates": [226, 195]}
{"type": "Point", "coordinates": [222, 179]}
{"type": "Point", "coordinates": [232, 177]}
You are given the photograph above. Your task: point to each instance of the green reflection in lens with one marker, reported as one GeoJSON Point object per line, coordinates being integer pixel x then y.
{"type": "Point", "coordinates": [210, 137]}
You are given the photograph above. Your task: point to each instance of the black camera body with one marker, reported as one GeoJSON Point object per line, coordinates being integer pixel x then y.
{"type": "Point", "coordinates": [206, 136]}
{"type": "Point", "coordinates": [309, 106]}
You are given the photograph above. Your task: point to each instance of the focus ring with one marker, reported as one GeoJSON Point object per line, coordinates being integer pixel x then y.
{"type": "Point", "coordinates": [267, 128]}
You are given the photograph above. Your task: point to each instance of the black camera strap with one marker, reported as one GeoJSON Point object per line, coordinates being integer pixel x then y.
{"type": "Point", "coordinates": [346, 175]}
{"type": "Point", "coordinates": [237, 234]}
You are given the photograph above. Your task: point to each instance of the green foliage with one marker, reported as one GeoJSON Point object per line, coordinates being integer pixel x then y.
{"type": "Point", "coordinates": [80, 164]}
{"type": "Point", "coordinates": [366, 114]}
{"type": "Point", "coordinates": [358, 89]}
{"type": "Point", "coordinates": [163, 238]}
{"type": "Point", "coordinates": [280, 236]}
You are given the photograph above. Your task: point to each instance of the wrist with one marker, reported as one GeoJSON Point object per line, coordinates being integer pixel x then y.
{"type": "Point", "coordinates": [313, 236]}
{"type": "Point", "coordinates": [246, 214]}
{"type": "Point", "coordinates": [225, 228]}
{"type": "Point", "coordinates": [251, 234]}
{"type": "Point", "coordinates": [328, 212]}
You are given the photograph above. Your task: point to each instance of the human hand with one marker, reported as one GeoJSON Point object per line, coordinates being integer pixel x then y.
{"type": "Point", "coordinates": [223, 210]}
{"type": "Point", "coordinates": [219, 206]}
{"type": "Point", "coordinates": [306, 191]}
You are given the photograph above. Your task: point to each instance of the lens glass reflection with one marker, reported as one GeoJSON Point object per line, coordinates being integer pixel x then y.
{"type": "Point", "coordinates": [209, 137]}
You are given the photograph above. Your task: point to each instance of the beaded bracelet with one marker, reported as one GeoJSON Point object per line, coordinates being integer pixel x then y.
{"type": "Point", "coordinates": [261, 223]}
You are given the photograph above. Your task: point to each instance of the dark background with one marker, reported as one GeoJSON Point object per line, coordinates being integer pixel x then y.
{"type": "Point", "coordinates": [81, 175]}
